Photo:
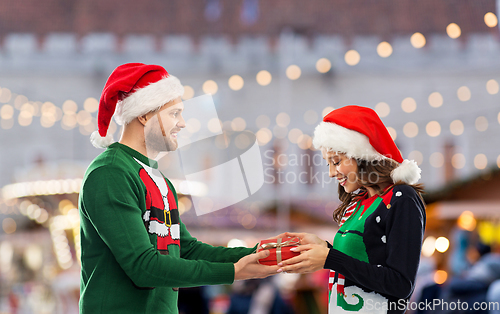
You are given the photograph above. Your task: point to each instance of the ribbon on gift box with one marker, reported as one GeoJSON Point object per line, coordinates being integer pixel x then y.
{"type": "Point", "coordinates": [278, 245]}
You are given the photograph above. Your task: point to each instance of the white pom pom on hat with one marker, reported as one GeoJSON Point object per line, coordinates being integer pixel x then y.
{"type": "Point", "coordinates": [133, 89]}
{"type": "Point", "coordinates": [359, 133]}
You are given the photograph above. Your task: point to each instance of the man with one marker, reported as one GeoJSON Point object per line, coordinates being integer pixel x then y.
{"type": "Point", "coordinates": [135, 250]}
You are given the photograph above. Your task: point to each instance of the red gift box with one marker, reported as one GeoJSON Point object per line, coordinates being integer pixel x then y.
{"type": "Point", "coordinates": [279, 250]}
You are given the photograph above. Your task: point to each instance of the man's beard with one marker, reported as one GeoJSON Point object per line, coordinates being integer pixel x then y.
{"type": "Point", "coordinates": [156, 142]}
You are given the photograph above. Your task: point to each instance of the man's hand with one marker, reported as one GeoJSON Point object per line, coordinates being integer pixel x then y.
{"type": "Point", "coordinates": [248, 267]}
{"type": "Point", "coordinates": [312, 258]}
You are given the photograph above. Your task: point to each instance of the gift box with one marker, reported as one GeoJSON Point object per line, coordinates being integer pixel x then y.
{"type": "Point", "coordinates": [279, 250]}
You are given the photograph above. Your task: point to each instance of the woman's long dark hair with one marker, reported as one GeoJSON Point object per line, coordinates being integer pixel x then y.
{"type": "Point", "coordinates": [370, 174]}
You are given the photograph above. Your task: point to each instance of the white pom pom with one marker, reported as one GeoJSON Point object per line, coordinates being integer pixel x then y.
{"type": "Point", "coordinates": [101, 142]}
{"type": "Point", "coordinates": [407, 172]}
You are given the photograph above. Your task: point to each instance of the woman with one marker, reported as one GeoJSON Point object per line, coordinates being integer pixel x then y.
{"type": "Point", "coordinates": [375, 254]}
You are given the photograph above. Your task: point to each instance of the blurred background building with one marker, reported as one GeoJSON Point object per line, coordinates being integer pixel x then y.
{"type": "Point", "coordinates": [431, 70]}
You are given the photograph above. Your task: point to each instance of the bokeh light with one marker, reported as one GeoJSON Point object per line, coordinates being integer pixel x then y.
{"type": "Point", "coordinates": [91, 104]}
{"type": "Point", "coordinates": [456, 127]}
{"type": "Point", "coordinates": [442, 244]}
{"type": "Point", "coordinates": [492, 87]}
{"type": "Point", "coordinates": [9, 225]}
{"type": "Point", "coordinates": [384, 49]}
{"type": "Point", "coordinates": [293, 72]}
{"type": "Point", "coordinates": [467, 221]}
{"type": "Point", "coordinates": [238, 124]}
{"type": "Point", "coordinates": [293, 135]}
{"type": "Point", "coordinates": [453, 30]}
{"type": "Point", "coordinates": [429, 246]}
{"type": "Point", "coordinates": [305, 141]}
{"type": "Point", "coordinates": [382, 109]}
{"type": "Point", "coordinates": [310, 117]}
{"type": "Point", "coordinates": [417, 40]}
{"type": "Point", "coordinates": [463, 93]}
{"type": "Point", "coordinates": [20, 101]}
{"type": "Point", "coordinates": [440, 277]}
{"type": "Point", "coordinates": [490, 19]}
{"type": "Point", "coordinates": [435, 100]}
{"type": "Point", "coordinates": [264, 135]}
{"type": "Point", "coordinates": [282, 119]}
{"type": "Point", "coordinates": [5, 95]}
{"type": "Point", "coordinates": [236, 82]}
{"type": "Point", "coordinates": [264, 78]}
{"type": "Point", "coordinates": [7, 112]}
{"type": "Point", "coordinates": [481, 124]}
{"type": "Point", "coordinates": [262, 121]}
{"type": "Point", "coordinates": [352, 57]}
{"type": "Point", "coordinates": [480, 161]}
{"type": "Point", "coordinates": [210, 87]}
{"type": "Point", "coordinates": [436, 160]}
{"type": "Point", "coordinates": [409, 105]}
{"type": "Point", "coordinates": [410, 129]}
{"type": "Point", "coordinates": [433, 128]}
{"type": "Point", "coordinates": [188, 92]}
{"type": "Point", "coordinates": [417, 156]}
{"type": "Point", "coordinates": [214, 125]}
{"type": "Point", "coordinates": [458, 161]}
{"type": "Point", "coordinates": [323, 65]}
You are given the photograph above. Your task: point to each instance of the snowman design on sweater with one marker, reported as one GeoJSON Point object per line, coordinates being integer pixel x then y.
{"type": "Point", "coordinates": [162, 216]}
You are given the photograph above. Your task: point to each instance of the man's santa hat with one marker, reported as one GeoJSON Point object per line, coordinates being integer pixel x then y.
{"type": "Point", "coordinates": [132, 90]}
{"type": "Point", "coordinates": [359, 133]}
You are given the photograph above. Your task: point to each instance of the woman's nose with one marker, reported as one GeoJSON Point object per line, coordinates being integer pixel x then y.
{"type": "Point", "coordinates": [333, 171]}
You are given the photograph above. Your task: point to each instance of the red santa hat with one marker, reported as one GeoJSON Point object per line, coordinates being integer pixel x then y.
{"type": "Point", "coordinates": [359, 133]}
{"type": "Point", "coordinates": [132, 90]}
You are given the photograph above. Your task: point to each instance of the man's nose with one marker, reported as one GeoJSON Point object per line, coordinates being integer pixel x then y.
{"type": "Point", "coordinates": [182, 123]}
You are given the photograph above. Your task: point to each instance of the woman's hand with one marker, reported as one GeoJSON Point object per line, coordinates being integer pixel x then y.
{"type": "Point", "coordinates": [306, 238]}
{"type": "Point", "coordinates": [312, 258]}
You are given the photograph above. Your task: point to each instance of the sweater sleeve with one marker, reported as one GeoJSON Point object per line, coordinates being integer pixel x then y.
{"type": "Point", "coordinates": [110, 203]}
{"type": "Point", "coordinates": [406, 223]}
{"type": "Point", "coordinates": [193, 249]}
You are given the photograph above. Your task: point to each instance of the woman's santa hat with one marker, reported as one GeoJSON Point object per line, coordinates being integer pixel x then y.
{"type": "Point", "coordinates": [359, 133]}
{"type": "Point", "coordinates": [132, 90]}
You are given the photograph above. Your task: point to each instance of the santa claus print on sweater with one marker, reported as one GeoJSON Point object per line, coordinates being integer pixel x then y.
{"type": "Point", "coordinates": [162, 216]}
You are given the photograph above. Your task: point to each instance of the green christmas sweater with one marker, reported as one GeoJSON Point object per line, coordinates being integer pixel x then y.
{"type": "Point", "coordinates": [375, 254]}
{"type": "Point", "coordinates": [136, 252]}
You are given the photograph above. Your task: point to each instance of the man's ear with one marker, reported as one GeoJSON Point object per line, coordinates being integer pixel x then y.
{"type": "Point", "coordinates": [143, 119]}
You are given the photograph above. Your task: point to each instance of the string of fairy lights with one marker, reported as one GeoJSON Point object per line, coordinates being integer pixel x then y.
{"type": "Point", "coordinates": [70, 117]}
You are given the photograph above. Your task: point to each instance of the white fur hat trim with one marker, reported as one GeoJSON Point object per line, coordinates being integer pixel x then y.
{"type": "Point", "coordinates": [331, 136]}
{"type": "Point", "coordinates": [148, 98]}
